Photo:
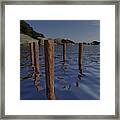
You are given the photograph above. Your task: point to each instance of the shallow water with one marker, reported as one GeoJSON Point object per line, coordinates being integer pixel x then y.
{"type": "Point", "coordinates": [69, 85]}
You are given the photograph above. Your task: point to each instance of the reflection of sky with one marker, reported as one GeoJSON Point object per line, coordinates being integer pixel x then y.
{"type": "Point", "coordinates": [77, 30]}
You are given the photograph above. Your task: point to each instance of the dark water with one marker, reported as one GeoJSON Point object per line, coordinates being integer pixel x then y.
{"type": "Point", "coordinates": [69, 85]}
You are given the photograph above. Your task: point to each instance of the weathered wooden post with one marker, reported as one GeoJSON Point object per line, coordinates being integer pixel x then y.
{"type": "Point", "coordinates": [36, 57]}
{"type": "Point", "coordinates": [32, 53]}
{"type": "Point", "coordinates": [49, 68]}
{"type": "Point", "coordinates": [80, 58]}
{"type": "Point", "coordinates": [64, 52]}
{"type": "Point", "coordinates": [34, 50]}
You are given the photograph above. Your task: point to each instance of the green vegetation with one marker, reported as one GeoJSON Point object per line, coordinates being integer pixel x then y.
{"type": "Point", "coordinates": [61, 41]}
{"type": "Point", "coordinates": [25, 28]}
{"type": "Point", "coordinates": [27, 31]}
{"type": "Point", "coordinates": [29, 35]}
{"type": "Point", "coordinates": [95, 43]}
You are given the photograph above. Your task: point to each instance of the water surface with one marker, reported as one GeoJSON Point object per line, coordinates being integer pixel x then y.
{"type": "Point", "coordinates": [69, 84]}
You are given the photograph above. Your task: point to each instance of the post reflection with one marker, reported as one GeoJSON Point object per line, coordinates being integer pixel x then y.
{"type": "Point", "coordinates": [63, 71]}
{"type": "Point", "coordinates": [37, 82]}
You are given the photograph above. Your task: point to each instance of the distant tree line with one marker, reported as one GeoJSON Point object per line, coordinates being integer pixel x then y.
{"type": "Point", "coordinates": [92, 43]}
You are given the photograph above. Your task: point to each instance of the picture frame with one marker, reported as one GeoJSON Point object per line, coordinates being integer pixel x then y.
{"type": "Point", "coordinates": [70, 2]}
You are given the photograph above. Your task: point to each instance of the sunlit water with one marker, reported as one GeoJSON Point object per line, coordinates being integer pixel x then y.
{"type": "Point", "coordinates": [69, 85]}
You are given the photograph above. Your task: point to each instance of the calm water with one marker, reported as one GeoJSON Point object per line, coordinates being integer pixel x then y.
{"type": "Point", "coordinates": [69, 85]}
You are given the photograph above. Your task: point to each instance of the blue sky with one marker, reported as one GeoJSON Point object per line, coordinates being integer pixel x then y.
{"type": "Point", "coordinates": [76, 30]}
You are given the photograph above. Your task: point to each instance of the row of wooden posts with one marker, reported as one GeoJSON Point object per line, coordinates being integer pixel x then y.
{"type": "Point", "coordinates": [49, 64]}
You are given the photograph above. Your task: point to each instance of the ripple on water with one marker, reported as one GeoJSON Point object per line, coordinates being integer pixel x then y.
{"type": "Point", "coordinates": [69, 84]}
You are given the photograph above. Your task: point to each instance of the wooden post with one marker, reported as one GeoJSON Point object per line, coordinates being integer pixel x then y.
{"type": "Point", "coordinates": [64, 52]}
{"type": "Point", "coordinates": [80, 58]}
{"type": "Point", "coordinates": [36, 56]}
{"type": "Point", "coordinates": [49, 68]}
{"type": "Point", "coordinates": [32, 53]}
{"type": "Point", "coordinates": [34, 50]}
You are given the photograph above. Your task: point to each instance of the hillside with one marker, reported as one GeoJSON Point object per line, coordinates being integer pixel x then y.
{"type": "Point", "coordinates": [26, 39]}
{"type": "Point", "coordinates": [26, 29]}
